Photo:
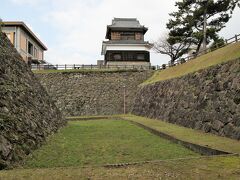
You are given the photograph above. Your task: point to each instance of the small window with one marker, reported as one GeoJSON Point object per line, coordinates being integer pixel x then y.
{"type": "Point", "coordinates": [35, 52]}
{"type": "Point", "coordinates": [127, 36]}
{"type": "Point", "coordinates": [117, 57]}
{"type": "Point", "coordinates": [130, 56]}
{"type": "Point", "coordinates": [30, 48]}
{"type": "Point", "coordinates": [140, 57]}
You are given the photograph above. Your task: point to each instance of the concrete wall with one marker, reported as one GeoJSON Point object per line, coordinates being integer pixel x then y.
{"type": "Point", "coordinates": [19, 39]}
{"type": "Point", "coordinates": [93, 93]}
{"type": "Point", "coordinates": [11, 34]}
{"type": "Point", "coordinates": [208, 100]}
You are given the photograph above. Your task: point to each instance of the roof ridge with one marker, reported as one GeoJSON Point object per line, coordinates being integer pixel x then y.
{"type": "Point", "coordinates": [126, 19]}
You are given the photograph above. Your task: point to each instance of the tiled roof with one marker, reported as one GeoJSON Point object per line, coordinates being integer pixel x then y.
{"type": "Point", "coordinates": [125, 22]}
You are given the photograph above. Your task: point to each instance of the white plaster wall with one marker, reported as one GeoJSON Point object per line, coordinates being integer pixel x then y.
{"type": "Point", "coordinates": [127, 47]}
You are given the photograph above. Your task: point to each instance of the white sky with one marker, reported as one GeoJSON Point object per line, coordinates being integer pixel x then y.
{"type": "Point", "coordinates": [73, 30]}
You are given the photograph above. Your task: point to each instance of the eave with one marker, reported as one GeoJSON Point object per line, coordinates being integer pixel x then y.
{"type": "Point", "coordinates": [26, 29]}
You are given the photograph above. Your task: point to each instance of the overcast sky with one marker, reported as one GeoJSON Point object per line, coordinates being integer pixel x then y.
{"type": "Point", "coordinates": [73, 30]}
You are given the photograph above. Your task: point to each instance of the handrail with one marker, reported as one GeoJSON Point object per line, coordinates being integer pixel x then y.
{"type": "Point", "coordinates": [89, 67]}
{"type": "Point", "coordinates": [232, 40]}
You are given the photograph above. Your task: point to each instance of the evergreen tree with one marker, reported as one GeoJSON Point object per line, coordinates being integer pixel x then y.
{"type": "Point", "coordinates": [188, 21]}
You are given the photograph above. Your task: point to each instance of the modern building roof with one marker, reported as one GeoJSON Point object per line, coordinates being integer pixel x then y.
{"type": "Point", "coordinates": [27, 30]}
{"type": "Point", "coordinates": [125, 24]}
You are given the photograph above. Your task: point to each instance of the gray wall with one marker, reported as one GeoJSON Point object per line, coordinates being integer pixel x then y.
{"type": "Point", "coordinates": [208, 100]}
{"type": "Point", "coordinates": [27, 113]}
{"type": "Point", "coordinates": [92, 93]}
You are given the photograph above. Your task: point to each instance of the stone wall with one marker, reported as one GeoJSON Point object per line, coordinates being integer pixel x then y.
{"type": "Point", "coordinates": [208, 100]}
{"type": "Point", "coordinates": [27, 113]}
{"type": "Point", "coordinates": [93, 93]}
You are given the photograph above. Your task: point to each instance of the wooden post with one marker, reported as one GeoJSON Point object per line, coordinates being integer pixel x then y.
{"type": "Point", "coordinates": [124, 99]}
{"type": "Point", "coordinates": [73, 66]}
{"type": "Point", "coordinates": [236, 38]}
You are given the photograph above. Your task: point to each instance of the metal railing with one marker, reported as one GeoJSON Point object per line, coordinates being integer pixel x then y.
{"type": "Point", "coordinates": [89, 67]}
{"type": "Point", "coordinates": [232, 40]}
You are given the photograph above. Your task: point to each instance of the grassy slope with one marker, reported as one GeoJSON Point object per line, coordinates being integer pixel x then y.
{"type": "Point", "coordinates": [103, 142]}
{"type": "Point", "coordinates": [190, 135]}
{"type": "Point", "coordinates": [203, 168]}
{"type": "Point", "coordinates": [222, 55]}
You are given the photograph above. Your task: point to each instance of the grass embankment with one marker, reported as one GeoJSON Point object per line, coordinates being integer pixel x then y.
{"type": "Point", "coordinates": [219, 56]}
{"type": "Point", "coordinates": [101, 142]}
{"type": "Point", "coordinates": [189, 135]}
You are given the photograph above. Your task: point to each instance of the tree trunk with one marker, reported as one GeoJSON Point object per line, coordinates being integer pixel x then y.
{"type": "Point", "coordinates": [198, 47]}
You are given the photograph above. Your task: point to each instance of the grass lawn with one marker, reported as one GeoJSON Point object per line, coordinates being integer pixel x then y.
{"type": "Point", "coordinates": [219, 56]}
{"type": "Point", "coordinates": [202, 168]}
{"type": "Point", "coordinates": [89, 143]}
{"type": "Point", "coordinates": [189, 135]}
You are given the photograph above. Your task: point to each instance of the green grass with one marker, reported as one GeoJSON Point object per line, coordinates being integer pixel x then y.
{"type": "Point", "coordinates": [219, 56]}
{"type": "Point", "coordinates": [97, 117]}
{"type": "Point", "coordinates": [189, 135]}
{"type": "Point", "coordinates": [201, 168]}
{"type": "Point", "coordinates": [89, 143]}
{"type": "Point", "coordinates": [83, 70]}
{"type": "Point", "coordinates": [101, 142]}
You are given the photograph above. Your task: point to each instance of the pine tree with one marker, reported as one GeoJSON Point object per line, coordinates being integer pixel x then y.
{"type": "Point", "coordinates": [188, 21]}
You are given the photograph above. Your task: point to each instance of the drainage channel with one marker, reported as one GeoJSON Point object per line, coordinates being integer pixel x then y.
{"type": "Point", "coordinates": [119, 165]}
{"type": "Point", "coordinates": [203, 150]}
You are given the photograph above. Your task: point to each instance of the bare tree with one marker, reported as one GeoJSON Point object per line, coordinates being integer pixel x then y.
{"type": "Point", "coordinates": [1, 23]}
{"type": "Point", "coordinates": [172, 47]}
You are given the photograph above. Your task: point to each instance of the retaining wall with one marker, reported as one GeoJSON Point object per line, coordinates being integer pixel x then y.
{"type": "Point", "coordinates": [93, 93]}
{"type": "Point", "coordinates": [27, 113]}
{"type": "Point", "coordinates": [207, 100]}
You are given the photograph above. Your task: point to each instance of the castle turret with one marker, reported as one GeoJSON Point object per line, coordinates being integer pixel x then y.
{"type": "Point", "coordinates": [126, 45]}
